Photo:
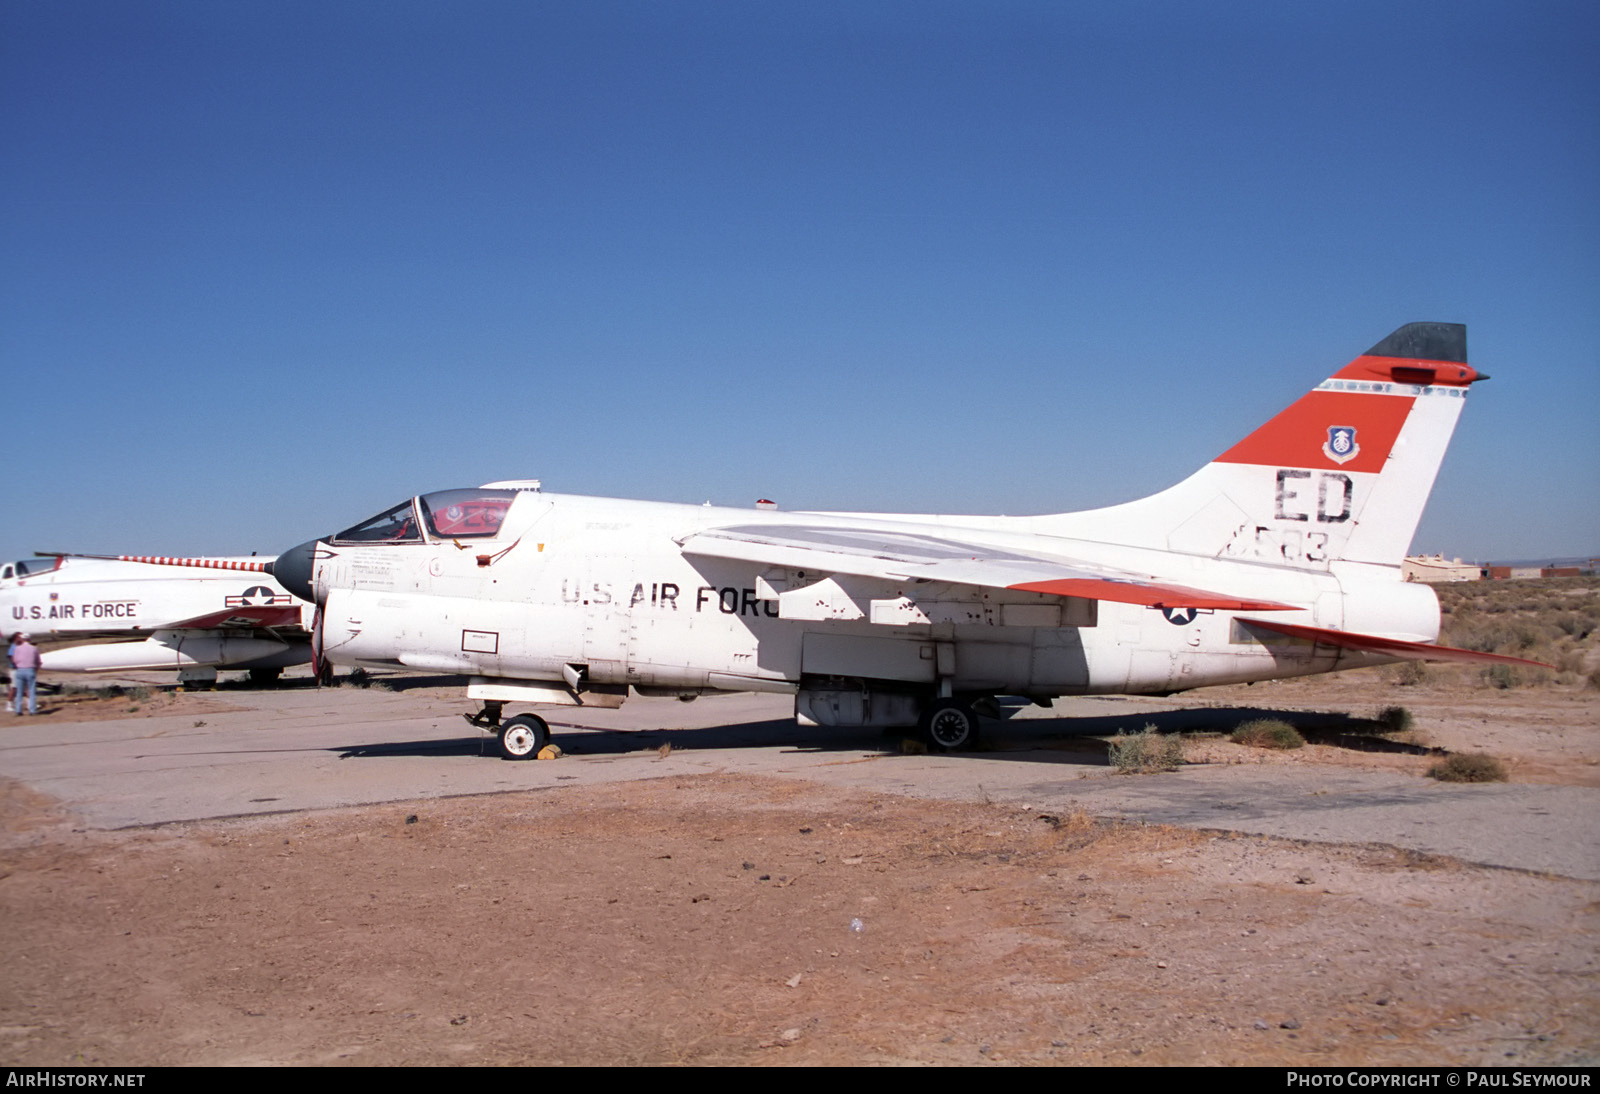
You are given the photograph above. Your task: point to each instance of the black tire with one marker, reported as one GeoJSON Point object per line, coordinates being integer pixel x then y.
{"type": "Point", "coordinates": [950, 726]}
{"type": "Point", "coordinates": [265, 678]}
{"type": "Point", "coordinates": [523, 737]}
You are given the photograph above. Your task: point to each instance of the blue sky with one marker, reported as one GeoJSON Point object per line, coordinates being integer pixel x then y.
{"type": "Point", "coordinates": [270, 267]}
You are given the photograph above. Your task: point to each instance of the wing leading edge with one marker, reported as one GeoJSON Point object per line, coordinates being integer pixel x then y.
{"type": "Point", "coordinates": [247, 615]}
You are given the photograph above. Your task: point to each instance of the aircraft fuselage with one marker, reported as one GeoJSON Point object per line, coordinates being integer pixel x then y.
{"type": "Point", "coordinates": [604, 584]}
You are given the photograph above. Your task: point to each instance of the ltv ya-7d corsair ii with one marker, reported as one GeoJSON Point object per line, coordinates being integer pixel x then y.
{"type": "Point", "coordinates": [137, 612]}
{"type": "Point", "coordinates": [1279, 558]}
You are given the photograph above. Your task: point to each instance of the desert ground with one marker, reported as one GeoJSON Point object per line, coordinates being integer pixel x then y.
{"type": "Point", "coordinates": [665, 895]}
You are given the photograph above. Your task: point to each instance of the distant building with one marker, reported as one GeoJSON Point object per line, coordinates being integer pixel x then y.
{"type": "Point", "coordinates": [1503, 573]}
{"type": "Point", "coordinates": [1436, 569]}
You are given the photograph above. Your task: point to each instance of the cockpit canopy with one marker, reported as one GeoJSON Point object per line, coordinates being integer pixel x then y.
{"type": "Point", "coordinates": [28, 567]}
{"type": "Point", "coordinates": [466, 514]}
{"type": "Point", "coordinates": [475, 513]}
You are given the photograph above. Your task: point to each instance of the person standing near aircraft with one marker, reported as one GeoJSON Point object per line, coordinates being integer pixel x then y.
{"type": "Point", "coordinates": [11, 685]}
{"type": "Point", "coordinates": [25, 675]}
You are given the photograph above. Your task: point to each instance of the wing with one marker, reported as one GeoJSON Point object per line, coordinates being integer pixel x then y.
{"type": "Point", "coordinates": [913, 556]}
{"type": "Point", "coordinates": [246, 615]}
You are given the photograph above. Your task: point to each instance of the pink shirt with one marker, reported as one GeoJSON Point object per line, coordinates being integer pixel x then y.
{"type": "Point", "coordinates": [25, 655]}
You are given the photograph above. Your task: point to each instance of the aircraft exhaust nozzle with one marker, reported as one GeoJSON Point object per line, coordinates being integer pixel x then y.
{"type": "Point", "coordinates": [293, 569]}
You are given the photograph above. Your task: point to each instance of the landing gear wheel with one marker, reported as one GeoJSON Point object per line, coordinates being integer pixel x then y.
{"type": "Point", "coordinates": [523, 737]}
{"type": "Point", "coordinates": [265, 678]}
{"type": "Point", "coordinates": [951, 726]}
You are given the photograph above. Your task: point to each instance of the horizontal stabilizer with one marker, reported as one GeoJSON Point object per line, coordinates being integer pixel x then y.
{"type": "Point", "coordinates": [1389, 647]}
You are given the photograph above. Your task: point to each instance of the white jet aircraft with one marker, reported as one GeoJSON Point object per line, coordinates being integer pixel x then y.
{"type": "Point", "coordinates": [127, 613]}
{"type": "Point", "coordinates": [1279, 558]}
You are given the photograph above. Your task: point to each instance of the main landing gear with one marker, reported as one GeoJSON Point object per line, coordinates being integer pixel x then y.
{"type": "Point", "coordinates": [520, 738]}
{"type": "Point", "coordinates": [523, 737]}
{"type": "Point", "coordinates": [950, 725]}
{"type": "Point", "coordinates": [488, 718]}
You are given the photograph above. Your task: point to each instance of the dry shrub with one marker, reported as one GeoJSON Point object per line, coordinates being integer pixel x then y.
{"type": "Point", "coordinates": [1554, 620]}
{"type": "Point", "coordinates": [1395, 719]}
{"type": "Point", "coordinates": [1469, 767]}
{"type": "Point", "coordinates": [1571, 661]}
{"type": "Point", "coordinates": [1576, 625]}
{"type": "Point", "coordinates": [1268, 733]}
{"type": "Point", "coordinates": [1504, 677]}
{"type": "Point", "coordinates": [1075, 830]}
{"type": "Point", "coordinates": [1139, 753]}
{"type": "Point", "coordinates": [1410, 673]}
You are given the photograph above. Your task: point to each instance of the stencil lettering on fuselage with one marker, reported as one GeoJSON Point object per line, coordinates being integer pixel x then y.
{"type": "Point", "coordinates": [105, 609]}
{"type": "Point", "coordinates": [1311, 511]}
{"type": "Point", "coordinates": [663, 594]}
{"type": "Point", "coordinates": [731, 600]}
{"type": "Point", "coordinates": [1333, 496]}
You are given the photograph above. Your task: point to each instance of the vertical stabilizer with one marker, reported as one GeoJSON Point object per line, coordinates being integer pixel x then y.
{"type": "Point", "coordinates": [1342, 474]}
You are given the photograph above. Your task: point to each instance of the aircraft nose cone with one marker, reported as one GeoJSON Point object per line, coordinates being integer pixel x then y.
{"type": "Point", "coordinates": [293, 569]}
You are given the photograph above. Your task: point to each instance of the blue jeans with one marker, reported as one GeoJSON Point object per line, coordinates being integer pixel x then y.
{"type": "Point", "coordinates": [26, 680]}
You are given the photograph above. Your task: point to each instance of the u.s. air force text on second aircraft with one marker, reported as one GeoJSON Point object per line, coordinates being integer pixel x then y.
{"type": "Point", "coordinates": [99, 609]}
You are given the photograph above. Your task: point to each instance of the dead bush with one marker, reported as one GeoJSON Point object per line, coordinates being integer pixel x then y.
{"type": "Point", "coordinates": [1395, 719]}
{"type": "Point", "coordinates": [1411, 673]}
{"type": "Point", "coordinates": [1268, 733]}
{"type": "Point", "coordinates": [1469, 767]}
{"type": "Point", "coordinates": [1503, 677]}
{"type": "Point", "coordinates": [1571, 661]}
{"type": "Point", "coordinates": [1139, 753]}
